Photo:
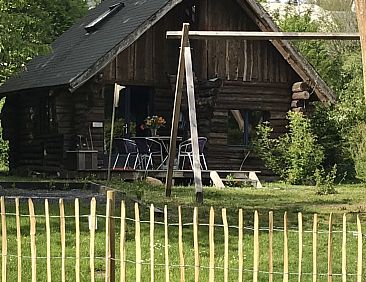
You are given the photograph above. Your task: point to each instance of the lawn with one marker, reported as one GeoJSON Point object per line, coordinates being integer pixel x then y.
{"type": "Point", "coordinates": [276, 197]}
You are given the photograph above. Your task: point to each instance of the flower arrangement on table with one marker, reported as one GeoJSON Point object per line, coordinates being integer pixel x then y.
{"type": "Point", "coordinates": [154, 122]}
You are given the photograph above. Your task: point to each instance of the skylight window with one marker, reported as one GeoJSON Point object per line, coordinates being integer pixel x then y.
{"type": "Point", "coordinates": [95, 24]}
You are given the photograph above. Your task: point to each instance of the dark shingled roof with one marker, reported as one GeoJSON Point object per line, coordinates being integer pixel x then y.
{"type": "Point", "coordinates": [76, 51]}
{"type": "Point", "coordinates": [77, 56]}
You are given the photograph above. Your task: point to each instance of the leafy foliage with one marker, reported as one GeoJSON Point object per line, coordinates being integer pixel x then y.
{"type": "Point", "coordinates": [3, 146]}
{"type": "Point", "coordinates": [358, 149]}
{"type": "Point", "coordinates": [340, 65]}
{"type": "Point", "coordinates": [295, 155]}
{"type": "Point", "coordinates": [28, 27]}
{"type": "Point", "coordinates": [325, 181]}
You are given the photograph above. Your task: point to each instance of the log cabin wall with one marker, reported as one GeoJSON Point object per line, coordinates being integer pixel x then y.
{"type": "Point", "coordinates": [88, 107]}
{"type": "Point", "coordinates": [32, 130]}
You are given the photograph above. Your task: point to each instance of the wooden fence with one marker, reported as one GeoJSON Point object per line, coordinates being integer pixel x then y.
{"type": "Point", "coordinates": [218, 255]}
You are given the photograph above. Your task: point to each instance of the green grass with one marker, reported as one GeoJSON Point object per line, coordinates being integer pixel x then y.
{"type": "Point", "coordinates": [279, 198]}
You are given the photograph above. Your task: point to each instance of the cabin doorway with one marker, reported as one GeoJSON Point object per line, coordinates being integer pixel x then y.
{"type": "Point", "coordinates": [135, 104]}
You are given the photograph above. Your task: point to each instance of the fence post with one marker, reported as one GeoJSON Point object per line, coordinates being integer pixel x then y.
{"type": "Point", "coordinates": [359, 252]}
{"type": "Point", "coordinates": [110, 238]}
{"type": "Point", "coordinates": [32, 233]}
{"type": "Point", "coordinates": [4, 241]}
{"type": "Point", "coordinates": [330, 249]}
{"type": "Point", "coordinates": [270, 246]}
{"type": "Point", "coordinates": [19, 239]}
{"type": "Point", "coordinates": [315, 228]}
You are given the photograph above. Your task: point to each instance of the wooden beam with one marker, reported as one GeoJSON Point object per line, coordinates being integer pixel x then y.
{"type": "Point", "coordinates": [361, 14]}
{"type": "Point", "coordinates": [176, 111]}
{"type": "Point", "coordinates": [260, 35]}
{"type": "Point", "coordinates": [193, 125]}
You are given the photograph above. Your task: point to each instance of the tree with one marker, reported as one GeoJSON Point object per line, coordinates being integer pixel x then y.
{"type": "Point", "coordinates": [27, 27]}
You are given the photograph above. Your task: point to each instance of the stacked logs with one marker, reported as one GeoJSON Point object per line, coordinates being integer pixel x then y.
{"type": "Point", "coordinates": [300, 96]}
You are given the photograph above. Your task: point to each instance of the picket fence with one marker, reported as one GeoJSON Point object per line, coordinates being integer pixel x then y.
{"type": "Point", "coordinates": [110, 245]}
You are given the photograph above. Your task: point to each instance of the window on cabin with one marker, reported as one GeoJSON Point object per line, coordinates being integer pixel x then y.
{"type": "Point", "coordinates": [242, 125]}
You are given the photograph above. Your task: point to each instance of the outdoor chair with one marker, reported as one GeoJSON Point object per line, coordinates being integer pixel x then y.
{"type": "Point", "coordinates": [185, 151]}
{"type": "Point", "coordinates": [128, 149]}
{"type": "Point", "coordinates": [149, 149]}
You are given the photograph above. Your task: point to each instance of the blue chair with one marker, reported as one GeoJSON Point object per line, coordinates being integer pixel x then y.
{"type": "Point", "coordinates": [185, 150]}
{"type": "Point", "coordinates": [128, 149]}
{"type": "Point", "coordinates": [149, 149]}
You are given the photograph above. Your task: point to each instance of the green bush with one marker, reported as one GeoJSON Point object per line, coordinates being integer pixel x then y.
{"type": "Point", "coordinates": [357, 149]}
{"type": "Point", "coordinates": [325, 181]}
{"type": "Point", "coordinates": [295, 155]}
{"type": "Point", "coordinates": [4, 146]}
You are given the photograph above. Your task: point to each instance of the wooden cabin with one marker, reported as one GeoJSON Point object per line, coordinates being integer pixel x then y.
{"type": "Point", "coordinates": [62, 102]}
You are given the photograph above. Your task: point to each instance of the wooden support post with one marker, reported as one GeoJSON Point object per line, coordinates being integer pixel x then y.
{"type": "Point", "coordinates": [361, 18]}
{"type": "Point", "coordinates": [110, 238]}
{"type": "Point", "coordinates": [193, 125]}
{"type": "Point", "coordinates": [176, 111]}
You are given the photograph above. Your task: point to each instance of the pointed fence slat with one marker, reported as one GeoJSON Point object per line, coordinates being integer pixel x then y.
{"type": "Point", "coordinates": [4, 241]}
{"type": "Point", "coordinates": [315, 239]}
{"type": "Point", "coordinates": [270, 246]}
{"type": "Point", "coordinates": [166, 243]}
{"type": "Point", "coordinates": [240, 246]}
{"type": "Point", "coordinates": [48, 241]}
{"type": "Point", "coordinates": [256, 247]}
{"type": "Point", "coordinates": [92, 218]}
{"type": "Point", "coordinates": [138, 242]}
{"type": "Point", "coordinates": [299, 218]}
{"type": "Point", "coordinates": [195, 244]}
{"type": "Point", "coordinates": [285, 248]}
{"type": "Point", "coordinates": [19, 239]}
{"type": "Point", "coordinates": [110, 238]}
{"type": "Point", "coordinates": [180, 245]}
{"type": "Point", "coordinates": [63, 240]}
{"type": "Point", "coordinates": [77, 240]}
{"type": "Point", "coordinates": [211, 239]}
{"type": "Point", "coordinates": [330, 249]}
{"type": "Point", "coordinates": [32, 233]}
{"type": "Point", "coordinates": [344, 249]}
{"type": "Point", "coordinates": [359, 252]}
{"type": "Point", "coordinates": [152, 257]}
{"type": "Point", "coordinates": [123, 242]}
{"type": "Point", "coordinates": [226, 246]}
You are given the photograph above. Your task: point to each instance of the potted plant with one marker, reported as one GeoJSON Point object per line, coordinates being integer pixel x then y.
{"type": "Point", "coordinates": [153, 123]}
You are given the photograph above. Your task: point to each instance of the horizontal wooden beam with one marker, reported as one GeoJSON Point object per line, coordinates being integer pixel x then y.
{"type": "Point", "coordinates": [259, 35]}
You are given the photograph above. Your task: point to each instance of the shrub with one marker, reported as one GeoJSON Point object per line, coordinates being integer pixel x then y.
{"type": "Point", "coordinates": [325, 181]}
{"type": "Point", "coordinates": [295, 155]}
{"type": "Point", "coordinates": [357, 149]}
{"type": "Point", "coordinates": [4, 146]}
